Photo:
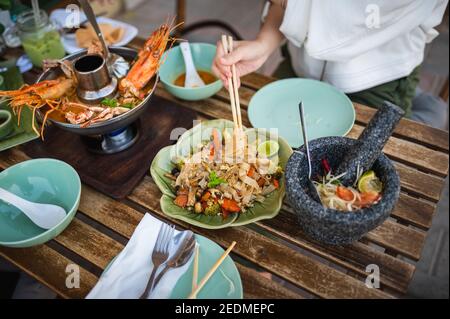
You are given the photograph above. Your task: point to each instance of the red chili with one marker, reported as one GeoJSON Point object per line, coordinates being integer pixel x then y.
{"type": "Point", "coordinates": [326, 165]}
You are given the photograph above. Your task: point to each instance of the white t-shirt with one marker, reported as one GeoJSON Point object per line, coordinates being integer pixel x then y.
{"type": "Point", "coordinates": [364, 42]}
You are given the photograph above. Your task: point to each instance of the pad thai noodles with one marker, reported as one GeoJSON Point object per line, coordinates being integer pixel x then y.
{"type": "Point", "coordinates": [365, 192]}
{"type": "Point", "coordinates": [225, 175]}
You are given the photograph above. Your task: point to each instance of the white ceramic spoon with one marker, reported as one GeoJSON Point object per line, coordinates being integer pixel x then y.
{"type": "Point", "coordinates": [45, 216]}
{"type": "Point", "coordinates": [192, 78]}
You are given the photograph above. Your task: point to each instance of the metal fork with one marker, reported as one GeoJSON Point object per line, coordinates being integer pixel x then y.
{"type": "Point", "coordinates": [160, 254]}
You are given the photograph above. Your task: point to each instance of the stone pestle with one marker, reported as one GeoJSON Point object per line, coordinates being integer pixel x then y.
{"type": "Point", "coordinates": [370, 142]}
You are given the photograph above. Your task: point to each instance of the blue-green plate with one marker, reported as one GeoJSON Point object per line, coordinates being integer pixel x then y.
{"type": "Point", "coordinates": [328, 111]}
{"type": "Point", "coordinates": [41, 181]}
{"type": "Point", "coordinates": [224, 284]}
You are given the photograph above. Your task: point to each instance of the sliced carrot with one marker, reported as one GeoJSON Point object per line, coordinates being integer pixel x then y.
{"type": "Point", "coordinates": [276, 183]}
{"type": "Point", "coordinates": [211, 152]}
{"type": "Point", "coordinates": [344, 193]}
{"type": "Point", "coordinates": [181, 200]}
{"type": "Point", "coordinates": [251, 171]}
{"type": "Point", "coordinates": [216, 141]}
{"type": "Point", "coordinates": [206, 196]}
{"type": "Point", "coordinates": [231, 205]}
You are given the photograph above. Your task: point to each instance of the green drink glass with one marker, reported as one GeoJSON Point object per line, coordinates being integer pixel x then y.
{"type": "Point", "coordinates": [40, 38]}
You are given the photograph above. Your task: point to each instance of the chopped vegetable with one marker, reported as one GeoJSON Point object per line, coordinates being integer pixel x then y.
{"type": "Point", "coordinates": [214, 180]}
{"type": "Point", "coordinates": [206, 196]}
{"type": "Point", "coordinates": [335, 196]}
{"type": "Point", "coordinates": [276, 183]}
{"type": "Point", "coordinates": [326, 166]}
{"type": "Point", "coordinates": [344, 193]}
{"type": "Point", "coordinates": [181, 200]}
{"type": "Point", "coordinates": [368, 198]}
{"type": "Point", "coordinates": [213, 209]}
{"type": "Point", "coordinates": [224, 174]}
{"type": "Point", "coordinates": [127, 105]}
{"type": "Point", "coordinates": [251, 171]}
{"type": "Point", "coordinates": [109, 102]}
{"type": "Point", "coordinates": [231, 205]}
{"type": "Point", "coordinates": [216, 141]}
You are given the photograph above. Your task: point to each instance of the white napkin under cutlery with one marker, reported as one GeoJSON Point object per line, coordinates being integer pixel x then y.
{"type": "Point", "coordinates": [128, 275]}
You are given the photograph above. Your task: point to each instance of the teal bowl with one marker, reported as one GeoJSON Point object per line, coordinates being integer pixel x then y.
{"type": "Point", "coordinates": [6, 123]}
{"type": "Point", "coordinates": [173, 66]}
{"type": "Point", "coordinates": [43, 181]}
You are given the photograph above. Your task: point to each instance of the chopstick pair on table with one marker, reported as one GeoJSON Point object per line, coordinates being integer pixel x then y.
{"type": "Point", "coordinates": [227, 43]}
{"type": "Point", "coordinates": [197, 287]}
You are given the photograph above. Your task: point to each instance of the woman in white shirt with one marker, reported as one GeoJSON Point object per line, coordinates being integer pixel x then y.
{"type": "Point", "coordinates": [369, 49]}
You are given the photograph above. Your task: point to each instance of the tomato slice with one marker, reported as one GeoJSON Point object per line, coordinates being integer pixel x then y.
{"type": "Point", "coordinates": [368, 198]}
{"type": "Point", "coordinates": [344, 193]}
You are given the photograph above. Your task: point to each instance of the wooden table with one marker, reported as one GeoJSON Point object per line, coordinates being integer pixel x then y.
{"type": "Point", "coordinates": [299, 267]}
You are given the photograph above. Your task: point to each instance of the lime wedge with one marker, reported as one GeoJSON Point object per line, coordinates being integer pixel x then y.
{"type": "Point", "coordinates": [369, 182]}
{"type": "Point", "coordinates": [268, 149]}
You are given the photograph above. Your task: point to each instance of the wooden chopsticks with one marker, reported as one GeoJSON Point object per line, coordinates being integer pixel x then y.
{"type": "Point", "coordinates": [211, 272]}
{"type": "Point", "coordinates": [227, 43]}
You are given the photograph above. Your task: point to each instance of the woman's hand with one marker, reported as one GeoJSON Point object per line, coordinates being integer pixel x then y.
{"type": "Point", "coordinates": [248, 56]}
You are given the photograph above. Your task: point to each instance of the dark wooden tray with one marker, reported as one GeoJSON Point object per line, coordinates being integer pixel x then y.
{"type": "Point", "coordinates": [116, 175]}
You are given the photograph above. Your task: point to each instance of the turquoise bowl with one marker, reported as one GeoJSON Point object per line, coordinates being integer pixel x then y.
{"type": "Point", "coordinates": [43, 181]}
{"type": "Point", "coordinates": [173, 66]}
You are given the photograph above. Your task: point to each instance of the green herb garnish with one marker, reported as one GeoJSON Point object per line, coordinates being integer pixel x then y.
{"type": "Point", "coordinates": [109, 102]}
{"type": "Point", "coordinates": [214, 180]}
{"type": "Point", "coordinates": [127, 105]}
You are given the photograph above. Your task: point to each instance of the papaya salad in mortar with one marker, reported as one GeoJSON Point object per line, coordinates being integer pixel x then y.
{"type": "Point", "coordinates": [365, 192]}
{"type": "Point", "coordinates": [226, 174]}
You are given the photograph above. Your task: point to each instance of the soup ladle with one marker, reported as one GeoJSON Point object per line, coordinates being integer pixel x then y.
{"type": "Point", "coordinates": [46, 216]}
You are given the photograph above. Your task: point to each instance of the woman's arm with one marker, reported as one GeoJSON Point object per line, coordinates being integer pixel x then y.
{"type": "Point", "coordinates": [250, 55]}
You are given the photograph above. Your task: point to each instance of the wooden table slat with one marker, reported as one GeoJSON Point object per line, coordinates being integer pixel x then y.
{"type": "Point", "coordinates": [49, 267]}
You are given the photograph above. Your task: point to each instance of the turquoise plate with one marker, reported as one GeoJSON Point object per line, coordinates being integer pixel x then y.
{"type": "Point", "coordinates": [224, 284]}
{"type": "Point", "coordinates": [42, 181]}
{"type": "Point", "coordinates": [328, 111]}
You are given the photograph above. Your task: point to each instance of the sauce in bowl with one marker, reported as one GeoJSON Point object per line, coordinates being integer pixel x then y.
{"type": "Point", "coordinates": [206, 76]}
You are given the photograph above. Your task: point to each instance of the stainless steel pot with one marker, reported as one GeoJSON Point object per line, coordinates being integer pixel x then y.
{"type": "Point", "coordinates": [115, 123]}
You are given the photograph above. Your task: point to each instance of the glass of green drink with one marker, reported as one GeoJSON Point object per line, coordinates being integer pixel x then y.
{"type": "Point", "coordinates": [40, 38]}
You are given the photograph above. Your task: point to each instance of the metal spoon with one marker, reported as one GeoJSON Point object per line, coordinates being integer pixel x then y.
{"type": "Point", "coordinates": [312, 189]}
{"type": "Point", "coordinates": [45, 216]}
{"type": "Point", "coordinates": [184, 244]}
{"type": "Point", "coordinates": [117, 65]}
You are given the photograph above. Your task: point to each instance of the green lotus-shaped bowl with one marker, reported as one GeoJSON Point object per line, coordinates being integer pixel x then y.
{"type": "Point", "coordinates": [163, 164]}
